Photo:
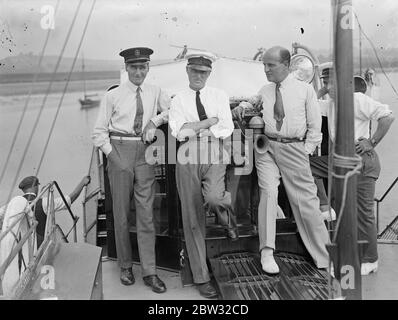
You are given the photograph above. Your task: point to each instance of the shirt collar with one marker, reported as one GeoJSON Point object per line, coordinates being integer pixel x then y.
{"type": "Point", "coordinates": [194, 91]}
{"type": "Point", "coordinates": [133, 87]}
{"type": "Point", "coordinates": [285, 81]}
{"type": "Point", "coordinates": [30, 194]}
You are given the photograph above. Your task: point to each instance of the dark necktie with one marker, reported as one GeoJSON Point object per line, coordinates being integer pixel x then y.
{"type": "Point", "coordinates": [279, 113]}
{"type": "Point", "coordinates": [139, 113]}
{"type": "Point", "coordinates": [200, 108]}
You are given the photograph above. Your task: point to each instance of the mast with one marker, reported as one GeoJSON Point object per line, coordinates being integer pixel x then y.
{"type": "Point", "coordinates": [360, 48]}
{"type": "Point", "coordinates": [84, 78]}
{"type": "Point", "coordinates": [345, 255]}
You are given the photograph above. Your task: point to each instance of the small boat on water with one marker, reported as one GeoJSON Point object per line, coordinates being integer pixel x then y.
{"type": "Point", "coordinates": [88, 100]}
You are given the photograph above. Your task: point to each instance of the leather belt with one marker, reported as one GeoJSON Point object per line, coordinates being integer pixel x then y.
{"type": "Point", "coordinates": [285, 140]}
{"type": "Point", "coordinates": [121, 136]}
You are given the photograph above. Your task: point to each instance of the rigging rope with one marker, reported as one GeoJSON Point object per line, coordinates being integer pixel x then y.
{"type": "Point", "coordinates": [65, 88]}
{"type": "Point", "coordinates": [377, 56]}
{"type": "Point", "coordinates": [44, 101]}
{"type": "Point", "coordinates": [34, 80]}
{"type": "Point", "coordinates": [354, 165]}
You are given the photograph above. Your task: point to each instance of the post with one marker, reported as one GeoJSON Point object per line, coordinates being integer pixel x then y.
{"type": "Point", "coordinates": [360, 49]}
{"type": "Point", "coordinates": [347, 263]}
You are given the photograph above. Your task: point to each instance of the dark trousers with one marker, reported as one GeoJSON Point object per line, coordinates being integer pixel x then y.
{"type": "Point", "coordinates": [130, 176]}
{"type": "Point", "coordinates": [366, 182]}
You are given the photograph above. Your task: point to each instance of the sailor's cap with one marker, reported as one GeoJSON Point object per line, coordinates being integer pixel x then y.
{"type": "Point", "coordinates": [325, 73]}
{"type": "Point", "coordinates": [200, 60]}
{"type": "Point", "coordinates": [28, 182]}
{"type": "Point", "coordinates": [360, 84]}
{"type": "Point", "coordinates": [136, 55]}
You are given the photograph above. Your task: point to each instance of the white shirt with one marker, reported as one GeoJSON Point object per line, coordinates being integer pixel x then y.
{"type": "Point", "coordinates": [302, 114]}
{"type": "Point", "coordinates": [11, 212]}
{"type": "Point", "coordinates": [58, 204]}
{"type": "Point", "coordinates": [118, 109]}
{"type": "Point", "coordinates": [16, 206]}
{"type": "Point", "coordinates": [365, 110]}
{"type": "Point", "coordinates": [20, 204]}
{"type": "Point", "coordinates": [216, 104]}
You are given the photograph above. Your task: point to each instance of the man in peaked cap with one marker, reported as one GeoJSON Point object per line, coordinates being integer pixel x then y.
{"type": "Point", "coordinates": [126, 123]}
{"type": "Point", "coordinates": [200, 118]}
{"type": "Point", "coordinates": [365, 110]}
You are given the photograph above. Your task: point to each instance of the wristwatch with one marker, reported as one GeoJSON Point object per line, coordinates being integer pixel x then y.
{"type": "Point", "coordinates": [373, 142]}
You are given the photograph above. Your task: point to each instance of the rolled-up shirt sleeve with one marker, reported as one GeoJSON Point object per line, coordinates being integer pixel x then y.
{"type": "Point", "coordinates": [369, 109]}
{"type": "Point", "coordinates": [59, 204]}
{"type": "Point", "coordinates": [225, 126]}
{"type": "Point", "coordinates": [100, 134]}
{"type": "Point", "coordinates": [176, 117]}
{"type": "Point", "coordinates": [163, 106]}
{"type": "Point", "coordinates": [314, 121]}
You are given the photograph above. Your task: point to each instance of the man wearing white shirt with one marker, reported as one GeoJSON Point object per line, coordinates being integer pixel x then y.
{"type": "Point", "coordinates": [293, 126]}
{"type": "Point", "coordinates": [126, 123]}
{"type": "Point", "coordinates": [18, 205]}
{"type": "Point", "coordinates": [200, 118]}
{"type": "Point", "coordinates": [365, 110]}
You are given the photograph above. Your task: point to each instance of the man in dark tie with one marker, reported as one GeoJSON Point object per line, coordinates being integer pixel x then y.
{"type": "Point", "coordinates": [200, 118]}
{"type": "Point", "coordinates": [293, 125]}
{"type": "Point", "coordinates": [126, 122]}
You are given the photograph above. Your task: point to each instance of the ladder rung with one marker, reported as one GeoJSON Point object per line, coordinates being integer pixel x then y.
{"type": "Point", "coordinates": [102, 234]}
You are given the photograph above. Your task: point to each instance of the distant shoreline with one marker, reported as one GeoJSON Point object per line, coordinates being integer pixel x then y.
{"type": "Point", "coordinates": [41, 87]}
{"type": "Point", "coordinates": [99, 75]}
{"type": "Point", "coordinates": [62, 76]}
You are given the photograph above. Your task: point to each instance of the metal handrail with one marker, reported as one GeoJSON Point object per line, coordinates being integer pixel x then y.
{"type": "Point", "coordinates": [378, 201]}
{"type": "Point", "coordinates": [96, 164]}
{"type": "Point", "coordinates": [50, 227]}
{"type": "Point", "coordinates": [74, 218]}
{"type": "Point", "coordinates": [30, 207]}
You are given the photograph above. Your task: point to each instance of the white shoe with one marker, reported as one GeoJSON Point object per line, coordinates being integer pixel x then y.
{"type": "Point", "coordinates": [268, 262]}
{"type": "Point", "coordinates": [279, 213]}
{"type": "Point", "coordinates": [331, 271]}
{"type": "Point", "coordinates": [369, 267]}
{"type": "Point", "coordinates": [329, 216]}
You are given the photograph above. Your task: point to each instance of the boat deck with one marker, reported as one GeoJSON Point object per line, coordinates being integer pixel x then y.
{"type": "Point", "coordinates": [114, 290]}
{"type": "Point", "coordinates": [382, 285]}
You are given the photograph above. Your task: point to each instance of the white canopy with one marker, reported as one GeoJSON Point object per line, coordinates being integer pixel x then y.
{"type": "Point", "coordinates": [237, 77]}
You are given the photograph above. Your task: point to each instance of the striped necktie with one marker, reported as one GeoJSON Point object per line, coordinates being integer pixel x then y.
{"type": "Point", "coordinates": [139, 113]}
{"type": "Point", "coordinates": [200, 108]}
{"type": "Point", "coordinates": [279, 113]}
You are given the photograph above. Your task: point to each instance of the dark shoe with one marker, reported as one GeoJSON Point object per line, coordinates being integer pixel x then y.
{"type": "Point", "coordinates": [155, 283]}
{"type": "Point", "coordinates": [232, 233]}
{"type": "Point", "coordinates": [127, 276]}
{"type": "Point", "coordinates": [207, 290]}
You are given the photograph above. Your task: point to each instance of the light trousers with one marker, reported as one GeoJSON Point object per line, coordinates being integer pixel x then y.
{"type": "Point", "coordinates": [290, 162]}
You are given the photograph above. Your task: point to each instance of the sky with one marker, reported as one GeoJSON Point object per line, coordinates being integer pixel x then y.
{"type": "Point", "coordinates": [228, 27]}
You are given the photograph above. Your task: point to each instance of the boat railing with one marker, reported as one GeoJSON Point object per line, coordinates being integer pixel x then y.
{"type": "Point", "coordinates": [93, 192]}
{"type": "Point", "coordinates": [27, 241]}
{"type": "Point", "coordinates": [378, 201]}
